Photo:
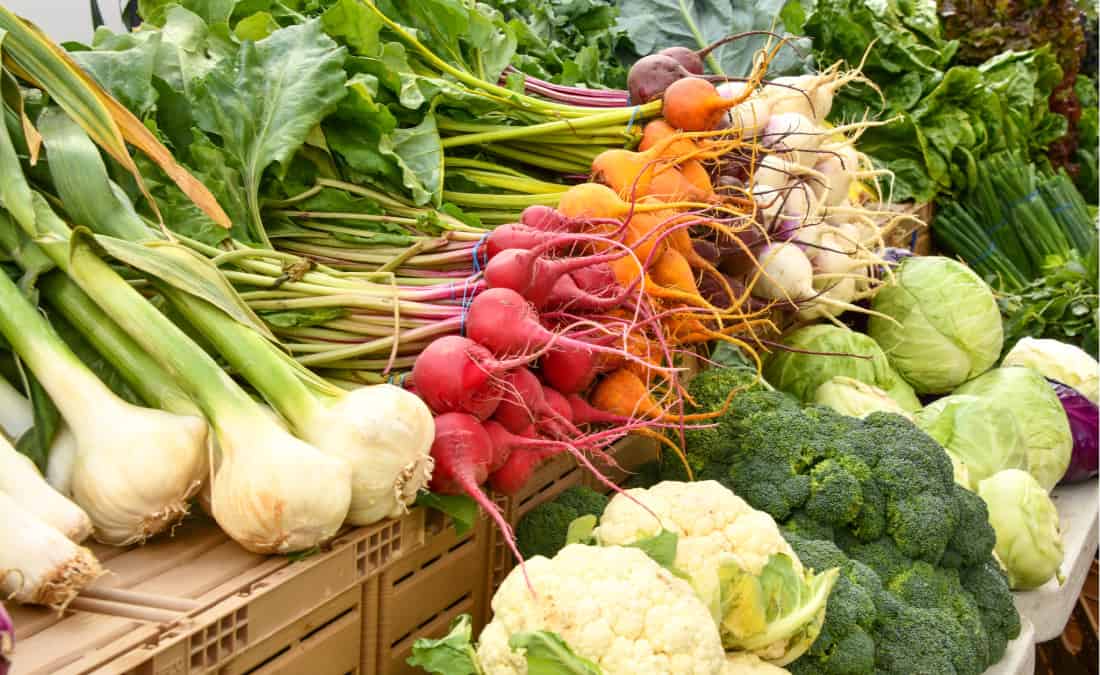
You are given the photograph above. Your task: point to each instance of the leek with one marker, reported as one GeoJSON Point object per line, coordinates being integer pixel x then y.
{"type": "Point", "coordinates": [37, 564]}
{"type": "Point", "coordinates": [383, 432]}
{"type": "Point", "coordinates": [135, 468]}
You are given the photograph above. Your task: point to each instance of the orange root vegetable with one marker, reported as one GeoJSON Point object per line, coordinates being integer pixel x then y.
{"type": "Point", "coordinates": [672, 270]}
{"type": "Point", "coordinates": [595, 200]}
{"type": "Point", "coordinates": [633, 175]}
{"type": "Point", "coordinates": [661, 134]}
{"type": "Point", "coordinates": [624, 393]}
{"type": "Point", "coordinates": [693, 104]}
{"type": "Point", "coordinates": [697, 175]}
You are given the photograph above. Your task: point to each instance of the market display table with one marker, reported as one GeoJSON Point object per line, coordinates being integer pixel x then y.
{"type": "Point", "coordinates": [1019, 658]}
{"type": "Point", "coordinates": [1049, 606]}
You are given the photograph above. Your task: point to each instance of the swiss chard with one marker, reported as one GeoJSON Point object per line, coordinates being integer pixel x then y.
{"type": "Point", "coordinates": [655, 24]}
{"type": "Point", "coordinates": [263, 104]}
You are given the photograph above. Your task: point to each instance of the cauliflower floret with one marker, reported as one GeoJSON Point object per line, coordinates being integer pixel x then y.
{"type": "Point", "coordinates": [716, 529]}
{"type": "Point", "coordinates": [614, 606]}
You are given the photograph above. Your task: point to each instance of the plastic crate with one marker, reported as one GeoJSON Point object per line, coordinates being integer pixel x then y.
{"type": "Point", "coordinates": [419, 595]}
{"type": "Point", "coordinates": [198, 603]}
{"type": "Point", "coordinates": [74, 641]}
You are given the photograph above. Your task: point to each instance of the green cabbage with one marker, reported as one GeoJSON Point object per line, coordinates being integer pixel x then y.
{"type": "Point", "coordinates": [946, 327]}
{"type": "Point", "coordinates": [1029, 543]}
{"type": "Point", "coordinates": [1032, 403]}
{"type": "Point", "coordinates": [853, 398]}
{"type": "Point", "coordinates": [1070, 365]}
{"type": "Point", "coordinates": [800, 374]}
{"type": "Point", "coordinates": [978, 433]}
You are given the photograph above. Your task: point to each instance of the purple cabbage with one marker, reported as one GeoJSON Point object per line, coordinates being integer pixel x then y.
{"type": "Point", "coordinates": [7, 640]}
{"type": "Point", "coordinates": [1084, 422]}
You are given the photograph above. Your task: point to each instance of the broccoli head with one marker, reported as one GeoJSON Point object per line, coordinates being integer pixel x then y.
{"type": "Point", "coordinates": [585, 501]}
{"type": "Point", "coordinates": [543, 530]}
{"type": "Point", "coordinates": [919, 592]}
{"type": "Point", "coordinates": [711, 387]}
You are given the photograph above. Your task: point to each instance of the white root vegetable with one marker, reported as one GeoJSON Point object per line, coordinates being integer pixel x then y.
{"type": "Point", "coordinates": [751, 115]}
{"type": "Point", "coordinates": [37, 564]}
{"type": "Point", "coordinates": [794, 137]}
{"type": "Point", "coordinates": [136, 468]}
{"type": "Point", "coordinates": [809, 95]}
{"type": "Point", "coordinates": [20, 480]}
{"type": "Point", "coordinates": [17, 417]}
{"type": "Point", "coordinates": [785, 273]}
{"type": "Point", "coordinates": [385, 433]}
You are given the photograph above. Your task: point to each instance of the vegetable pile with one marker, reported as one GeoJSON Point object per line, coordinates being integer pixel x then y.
{"type": "Point", "coordinates": [877, 499]}
{"type": "Point", "coordinates": [414, 248]}
{"type": "Point", "coordinates": [677, 578]}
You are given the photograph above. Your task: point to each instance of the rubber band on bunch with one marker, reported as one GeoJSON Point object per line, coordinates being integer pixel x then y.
{"type": "Point", "coordinates": [469, 285]}
{"type": "Point", "coordinates": [633, 115]}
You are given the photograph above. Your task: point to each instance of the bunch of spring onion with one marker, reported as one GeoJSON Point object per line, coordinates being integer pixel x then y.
{"type": "Point", "coordinates": [1016, 221]}
{"type": "Point", "coordinates": [42, 562]}
{"type": "Point", "coordinates": [364, 451]}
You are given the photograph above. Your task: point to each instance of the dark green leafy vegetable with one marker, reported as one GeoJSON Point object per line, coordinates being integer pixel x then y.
{"type": "Point", "coordinates": [948, 116]}
{"type": "Point", "coordinates": [264, 104]}
{"type": "Point", "coordinates": [655, 24]}
{"type": "Point", "coordinates": [568, 42]}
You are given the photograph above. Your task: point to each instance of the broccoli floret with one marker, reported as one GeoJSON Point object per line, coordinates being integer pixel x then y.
{"type": "Point", "coordinates": [836, 495]}
{"type": "Point", "coordinates": [928, 587]}
{"type": "Point", "coordinates": [988, 586]}
{"type": "Point", "coordinates": [923, 585]}
{"type": "Point", "coordinates": [973, 540]}
{"type": "Point", "coordinates": [854, 652]}
{"type": "Point", "coordinates": [801, 525]}
{"type": "Point", "coordinates": [914, 641]}
{"type": "Point", "coordinates": [542, 531]}
{"type": "Point", "coordinates": [882, 555]}
{"type": "Point", "coordinates": [583, 500]}
{"type": "Point", "coordinates": [870, 523]}
{"type": "Point", "coordinates": [711, 387]}
{"type": "Point", "coordinates": [922, 524]}
{"type": "Point", "coordinates": [815, 554]}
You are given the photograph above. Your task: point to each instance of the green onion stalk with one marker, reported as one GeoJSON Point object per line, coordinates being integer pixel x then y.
{"type": "Point", "coordinates": [135, 469]}
{"type": "Point", "coordinates": [383, 433]}
{"type": "Point", "coordinates": [258, 495]}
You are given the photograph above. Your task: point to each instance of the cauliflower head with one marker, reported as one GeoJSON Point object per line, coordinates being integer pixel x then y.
{"type": "Point", "coordinates": [612, 605]}
{"type": "Point", "coordinates": [739, 564]}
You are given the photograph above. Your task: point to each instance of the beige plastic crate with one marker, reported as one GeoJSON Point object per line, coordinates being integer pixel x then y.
{"type": "Point", "coordinates": [420, 594]}
{"type": "Point", "coordinates": [197, 603]}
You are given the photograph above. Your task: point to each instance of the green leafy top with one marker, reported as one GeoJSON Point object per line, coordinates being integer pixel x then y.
{"type": "Point", "coordinates": [454, 653]}
{"type": "Point", "coordinates": [568, 41]}
{"type": "Point", "coordinates": [656, 24]}
{"type": "Point", "coordinates": [948, 116]}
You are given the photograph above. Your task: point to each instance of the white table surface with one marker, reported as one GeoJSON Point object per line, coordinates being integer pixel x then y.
{"type": "Point", "coordinates": [1049, 606]}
